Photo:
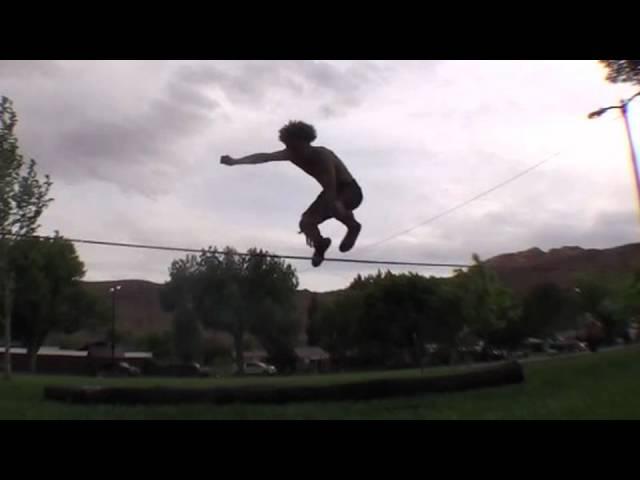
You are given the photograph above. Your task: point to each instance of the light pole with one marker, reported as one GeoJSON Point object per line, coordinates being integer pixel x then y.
{"type": "Point", "coordinates": [623, 107]}
{"type": "Point", "coordinates": [113, 291]}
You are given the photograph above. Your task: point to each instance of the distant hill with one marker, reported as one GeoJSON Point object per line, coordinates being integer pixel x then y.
{"type": "Point", "coordinates": [522, 270]}
{"type": "Point", "coordinates": [138, 309]}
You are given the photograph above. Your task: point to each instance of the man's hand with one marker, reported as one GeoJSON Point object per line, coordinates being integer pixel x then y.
{"type": "Point", "coordinates": [227, 160]}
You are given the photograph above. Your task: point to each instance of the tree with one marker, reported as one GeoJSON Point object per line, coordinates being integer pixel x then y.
{"type": "Point", "coordinates": [188, 335]}
{"type": "Point", "coordinates": [386, 319]}
{"type": "Point", "coordinates": [23, 199]}
{"type": "Point", "coordinates": [48, 294]}
{"type": "Point", "coordinates": [333, 326]}
{"type": "Point", "coordinates": [239, 294]}
{"type": "Point", "coordinates": [547, 307]}
{"type": "Point", "coordinates": [161, 345]}
{"type": "Point", "coordinates": [489, 309]}
{"type": "Point", "coordinates": [277, 330]}
{"type": "Point", "coordinates": [312, 309]}
{"type": "Point", "coordinates": [627, 297]}
{"type": "Point", "coordinates": [178, 296]}
{"type": "Point", "coordinates": [598, 297]}
{"type": "Point", "coordinates": [403, 312]}
{"type": "Point", "coordinates": [622, 71]}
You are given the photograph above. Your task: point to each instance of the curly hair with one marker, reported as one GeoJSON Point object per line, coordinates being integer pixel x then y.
{"type": "Point", "coordinates": [297, 130]}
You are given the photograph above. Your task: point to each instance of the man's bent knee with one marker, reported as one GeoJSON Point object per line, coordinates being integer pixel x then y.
{"type": "Point", "coordinates": [307, 222]}
{"type": "Point", "coordinates": [309, 226]}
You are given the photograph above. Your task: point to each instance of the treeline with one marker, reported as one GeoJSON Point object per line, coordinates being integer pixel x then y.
{"type": "Point", "coordinates": [388, 319]}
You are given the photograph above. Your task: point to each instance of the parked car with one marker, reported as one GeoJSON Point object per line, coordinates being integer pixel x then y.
{"type": "Point", "coordinates": [193, 369]}
{"type": "Point", "coordinates": [568, 346]}
{"type": "Point", "coordinates": [190, 369]}
{"type": "Point", "coordinates": [490, 354]}
{"type": "Point", "coordinates": [118, 369]}
{"type": "Point", "coordinates": [257, 368]}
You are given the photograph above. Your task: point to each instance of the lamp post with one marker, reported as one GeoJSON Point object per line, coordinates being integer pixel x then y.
{"type": "Point", "coordinates": [113, 291]}
{"type": "Point", "coordinates": [623, 107]}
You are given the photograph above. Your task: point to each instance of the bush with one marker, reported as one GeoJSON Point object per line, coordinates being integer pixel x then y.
{"type": "Point", "coordinates": [159, 344]}
{"type": "Point", "coordinates": [508, 373]}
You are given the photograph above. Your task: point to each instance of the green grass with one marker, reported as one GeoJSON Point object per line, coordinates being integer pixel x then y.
{"type": "Point", "coordinates": [605, 385]}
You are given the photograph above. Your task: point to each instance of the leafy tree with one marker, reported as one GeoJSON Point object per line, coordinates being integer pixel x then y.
{"type": "Point", "coordinates": [385, 318]}
{"type": "Point", "coordinates": [604, 299]}
{"type": "Point", "coordinates": [333, 327]}
{"type": "Point", "coordinates": [622, 71]}
{"type": "Point", "coordinates": [48, 295]}
{"type": "Point", "coordinates": [488, 308]}
{"type": "Point", "coordinates": [546, 308]}
{"type": "Point", "coordinates": [238, 294]}
{"type": "Point", "coordinates": [188, 335]}
{"type": "Point", "coordinates": [23, 199]}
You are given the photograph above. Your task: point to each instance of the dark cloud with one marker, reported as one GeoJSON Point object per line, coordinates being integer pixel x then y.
{"type": "Point", "coordinates": [250, 84]}
{"type": "Point", "coordinates": [143, 143]}
{"type": "Point", "coordinates": [136, 140]}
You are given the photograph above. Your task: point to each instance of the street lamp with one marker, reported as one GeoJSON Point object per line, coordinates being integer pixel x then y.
{"type": "Point", "coordinates": [113, 291]}
{"type": "Point", "coordinates": [623, 107]}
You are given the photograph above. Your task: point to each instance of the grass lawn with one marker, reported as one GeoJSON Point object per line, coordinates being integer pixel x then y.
{"type": "Point", "coordinates": [605, 385]}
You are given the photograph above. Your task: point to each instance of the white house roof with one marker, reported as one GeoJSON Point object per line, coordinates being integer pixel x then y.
{"type": "Point", "coordinates": [45, 351]}
{"type": "Point", "coordinates": [311, 353]}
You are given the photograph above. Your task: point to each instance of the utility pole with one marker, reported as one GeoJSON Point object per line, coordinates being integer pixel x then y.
{"type": "Point", "coordinates": [8, 297]}
{"type": "Point", "coordinates": [623, 107]}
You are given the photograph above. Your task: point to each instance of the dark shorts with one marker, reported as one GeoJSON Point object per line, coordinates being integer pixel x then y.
{"type": "Point", "coordinates": [349, 193]}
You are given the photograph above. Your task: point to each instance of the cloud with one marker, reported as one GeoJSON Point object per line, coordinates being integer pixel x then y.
{"type": "Point", "coordinates": [269, 84]}
{"type": "Point", "coordinates": [140, 146]}
{"type": "Point", "coordinates": [29, 69]}
{"type": "Point", "coordinates": [146, 145]}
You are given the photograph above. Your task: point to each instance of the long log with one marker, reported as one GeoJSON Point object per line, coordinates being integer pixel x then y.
{"type": "Point", "coordinates": [502, 374]}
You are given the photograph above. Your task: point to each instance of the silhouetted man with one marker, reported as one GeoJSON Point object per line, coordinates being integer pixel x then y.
{"type": "Point", "coordinates": [340, 194]}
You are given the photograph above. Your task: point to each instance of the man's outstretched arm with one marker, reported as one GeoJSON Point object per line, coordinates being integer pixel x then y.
{"type": "Point", "coordinates": [256, 158]}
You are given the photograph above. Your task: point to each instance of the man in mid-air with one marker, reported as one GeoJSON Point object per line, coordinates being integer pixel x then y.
{"type": "Point", "coordinates": [340, 194]}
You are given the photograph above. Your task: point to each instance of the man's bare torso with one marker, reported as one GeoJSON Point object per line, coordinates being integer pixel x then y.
{"type": "Point", "coordinates": [317, 161]}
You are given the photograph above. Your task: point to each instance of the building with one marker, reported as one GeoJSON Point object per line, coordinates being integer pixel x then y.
{"type": "Point", "coordinates": [55, 360]}
{"type": "Point", "coordinates": [313, 359]}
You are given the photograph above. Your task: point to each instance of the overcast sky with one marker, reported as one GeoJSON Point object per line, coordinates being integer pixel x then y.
{"type": "Point", "coordinates": [133, 149]}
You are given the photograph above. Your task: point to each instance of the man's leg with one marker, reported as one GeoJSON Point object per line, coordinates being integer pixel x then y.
{"type": "Point", "coordinates": [353, 230]}
{"type": "Point", "coordinates": [309, 226]}
{"type": "Point", "coordinates": [351, 199]}
{"type": "Point", "coordinates": [317, 213]}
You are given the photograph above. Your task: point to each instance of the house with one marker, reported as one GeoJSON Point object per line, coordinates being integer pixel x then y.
{"type": "Point", "coordinates": [312, 359]}
{"type": "Point", "coordinates": [256, 356]}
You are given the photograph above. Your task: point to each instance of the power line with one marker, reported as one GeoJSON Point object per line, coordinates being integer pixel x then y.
{"type": "Point", "coordinates": [463, 204]}
{"type": "Point", "coordinates": [240, 254]}
{"type": "Point", "coordinates": [473, 199]}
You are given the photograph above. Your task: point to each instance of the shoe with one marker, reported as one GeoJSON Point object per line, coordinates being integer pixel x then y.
{"type": "Point", "coordinates": [350, 238]}
{"type": "Point", "coordinates": [318, 254]}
